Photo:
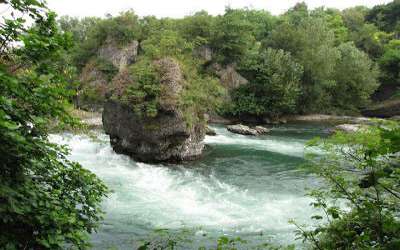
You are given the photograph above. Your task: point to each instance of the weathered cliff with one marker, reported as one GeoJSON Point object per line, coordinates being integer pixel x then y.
{"type": "Point", "coordinates": [165, 137]}
{"type": "Point", "coordinates": [109, 62]}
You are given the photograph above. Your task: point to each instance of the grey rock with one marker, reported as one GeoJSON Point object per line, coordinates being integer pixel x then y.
{"type": "Point", "coordinates": [204, 52]}
{"type": "Point", "coordinates": [242, 129]}
{"type": "Point", "coordinates": [229, 77]}
{"type": "Point", "coordinates": [210, 131]}
{"type": "Point", "coordinates": [120, 57]}
{"type": "Point", "coordinates": [262, 130]}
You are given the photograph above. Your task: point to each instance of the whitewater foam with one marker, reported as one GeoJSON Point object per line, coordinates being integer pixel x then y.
{"type": "Point", "coordinates": [159, 196]}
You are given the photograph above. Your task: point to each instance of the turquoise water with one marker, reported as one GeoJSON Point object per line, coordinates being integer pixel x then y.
{"type": "Point", "coordinates": [243, 186]}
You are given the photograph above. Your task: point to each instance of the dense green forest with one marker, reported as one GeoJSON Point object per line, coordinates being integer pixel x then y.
{"type": "Point", "coordinates": [335, 61]}
{"type": "Point", "coordinates": [301, 62]}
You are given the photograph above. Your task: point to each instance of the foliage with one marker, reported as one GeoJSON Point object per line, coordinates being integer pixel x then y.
{"type": "Point", "coordinates": [274, 85]}
{"type": "Point", "coordinates": [232, 37]}
{"type": "Point", "coordinates": [356, 78]}
{"type": "Point", "coordinates": [119, 30]}
{"type": "Point", "coordinates": [313, 38]}
{"type": "Point", "coordinates": [361, 173]}
{"type": "Point", "coordinates": [386, 17]}
{"type": "Point", "coordinates": [390, 63]}
{"type": "Point", "coordinates": [166, 43]}
{"type": "Point", "coordinates": [197, 27]}
{"type": "Point", "coordinates": [201, 94]}
{"type": "Point", "coordinates": [105, 67]}
{"type": "Point", "coordinates": [142, 94]}
{"type": "Point", "coordinates": [260, 22]}
{"type": "Point", "coordinates": [335, 22]}
{"type": "Point", "coordinates": [311, 43]}
{"type": "Point", "coordinates": [46, 200]}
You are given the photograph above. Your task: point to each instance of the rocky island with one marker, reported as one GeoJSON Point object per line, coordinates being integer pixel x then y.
{"type": "Point", "coordinates": [161, 137]}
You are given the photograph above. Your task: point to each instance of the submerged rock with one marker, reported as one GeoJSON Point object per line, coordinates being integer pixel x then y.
{"type": "Point", "coordinates": [262, 130]}
{"type": "Point", "coordinates": [165, 137]}
{"type": "Point", "coordinates": [210, 131]}
{"type": "Point", "coordinates": [242, 129]}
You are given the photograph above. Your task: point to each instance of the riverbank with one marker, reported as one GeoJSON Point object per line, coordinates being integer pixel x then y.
{"type": "Point", "coordinates": [312, 118]}
{"type": "Point", "coordinates": [93, 120]}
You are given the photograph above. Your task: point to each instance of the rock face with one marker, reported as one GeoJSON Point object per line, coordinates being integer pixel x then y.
{"type": "Point", "coordinates": [95, 83]}
{"type": "Point", "coordinates": [203, 52]}
{"type": "Point", "coordinates": [163, 138]}
{"type": "Point", "coordinates": [229, 77]}
{"type": "Point", "coordinates": [246, 130]}
{"type": "Point", "coordinates": [119, 57]}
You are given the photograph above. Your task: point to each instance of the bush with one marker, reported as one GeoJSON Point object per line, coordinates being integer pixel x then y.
{"type": "Point", "coordinates": [47, 201]}
{"type": "Point", "coordinates": [360, 198]}
{"type": "Point", "coordinates": [142, 94]}
{"type": "Point", "coordinates": [274, 85]}
{"type": "Point", "coordinates": [356, 79]}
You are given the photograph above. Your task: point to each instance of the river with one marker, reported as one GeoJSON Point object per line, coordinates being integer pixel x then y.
{"type": "Point", "coordinates": [247, 187]}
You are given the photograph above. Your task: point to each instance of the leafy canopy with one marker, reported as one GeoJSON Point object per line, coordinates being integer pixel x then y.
{"type": "Point", "coordinates": [46, 200]}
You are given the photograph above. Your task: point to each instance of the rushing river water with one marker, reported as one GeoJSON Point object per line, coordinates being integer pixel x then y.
{"type": "Point", "coordinates": [243, 186]}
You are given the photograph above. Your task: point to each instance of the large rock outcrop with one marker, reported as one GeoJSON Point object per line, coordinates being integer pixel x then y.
{"type": "Point", "coordinates": [111, 61]}
{"type": "Point", "coordinates": [229, 77]}
{"type": "Point", "coordinates": [119, 56]}
{"type": "Point", "coordinates": [165, 137]}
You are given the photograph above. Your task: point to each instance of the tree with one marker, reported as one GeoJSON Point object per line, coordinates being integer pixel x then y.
{"type": "Point", "coordinates": [335, 22]}
{"type": "Point", "coordinates": [386, 17]}
{"type": "Point", "coordinates": [232, 37]}
{"type": "Point", "coordinates": [274, 85]}
{"type": "Point", "coordinates": [198, 27]}
{"type": "Point", "coordinates": [120, 30]}
{"type": "Point", "coordinates": [390, 63]}
{"type": "Point", "coordinates": [356, 78]}
{"type": "Point", "coordinates": [360, 196]}
{"type": "Point", "coordinates": [312, 44]}
{"type": "Point", "coordinates": [47, 201]}
{"type": "Point", "coordinates": [354, 18]}
{"type": "Point", "coordinates": [166, 43]}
